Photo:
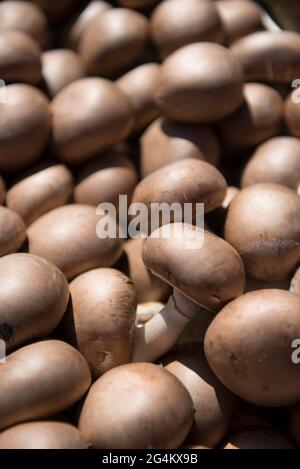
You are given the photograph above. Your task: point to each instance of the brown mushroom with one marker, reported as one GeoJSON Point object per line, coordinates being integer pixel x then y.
{"type": "Point", "coordinates": [83, 20]}
{"type": "Point", "coordinates": [105, 178]}
{"type": "Point", "coordinates": [166, 141]}
{"type": "Point", "coordinates": [249, 347]}
{"type": "Point", "coordinates": [102, 316]}
{"type": "Point", "coordinates": [40, 192]}
{"type": "Point", "coordinates": [113, 41]}
{"type": "Point", "coordinates": [67, 237]}
{"type": "Point", "coordinates": [19, 57]}
{"type": "Point", "coordinates": [259, 118]}
{"type": "Point", "coordinates": [239, 18]}
{"type": "Point", "coordinates": [40, 380]}
{"type": "Point", "coordinates": [89, 115]}
{"type": "Point", "coordinates": [60, 67]}
{"type": "Point", "coordinates": [187, 91]}
{"type": "Point", "coordinates": [139, 86]}
{"type": "Point", "coordinates": [213, 403]}
{"type": "Point", "coordinates": [24, 126]}
{"type": "Point", "coordinates": [269, 56]}
{"type": "Point", "coordinates": [34, 297]}
{"type": "Point", "coordinates": [184, 181]}
{"type": "Point", "coordinates": [277, 160]}
{"type": "Point", "coordinates": [263, 225]}
{"type": "Point", "coordinates": [175, 24]}
{"type": "Point", "coordinates": [138, 405]}
{"type": "Point", "coordinates": [42, 435]}
{"type": "Point", "coordinates": [25, 17]}
{"type": "Point", "coordinates": [12, 231]}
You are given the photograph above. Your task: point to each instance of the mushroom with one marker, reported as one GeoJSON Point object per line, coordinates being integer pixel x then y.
{"type": "Point", "coordinates": [175, 24]}
{"type": "Point", "coordinates": [277, 160]}
{"type": "Point", "coordinates": [89, 116]}
{"type": "Point", "coordinates": [166, 141]}
{"type": "Point", "coordinates": [104, 178]}
{"type": "Point", "coordinates": [184, 181]}
{"type": "Point", "coordinates": [19, 57]}
{"type": "Point", "coordinates": [113, 41]}
{"type": "Point", "coordinates": [206, 276]}
{"type": "Point", "coordinates": [259, 118]}
{"type": "Point", "coordinates": [139, 86]}
{"type": "Point", "coordinates": [40, 380]}
{"type": "Point", "coordinates": [12, 231]}
{"type": "Point", "coordinates": [67, 237]}
{"type": "Point", "coordinates": [42, 435]}
{"type": "Point", "coordinates": [249, 347]}
{"type": "Point", "coordinates": [239, 18]}
{"type": "Point", "coordinates": [263, 225]}
{"type": "Point", "coordinates": [24, 126]}
{"type": "Point", "coordinates": [25, 17]}
{"type": "Point", "coordinates": [60, 67]}
{"type": "Point", "coordinates": [269, 56]}
{"type": "Point", "coordinates": [40, 192]}
{"type": "Point", "coordinates": [84, 19]}
{"type": "Point", "coordinates": [213, 403]}
{"type": "Point", "coordinates": [138, 405]}
{"type": "Point", "coordinates": [102, 318]}
{"type": "Point", "coordinates": [33, 299]}
{"type": "Point", "coordinates": [189, 92]}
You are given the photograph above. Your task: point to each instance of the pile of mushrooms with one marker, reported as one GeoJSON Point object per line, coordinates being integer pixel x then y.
{"type": "Point", "coordinates": [152, 341]}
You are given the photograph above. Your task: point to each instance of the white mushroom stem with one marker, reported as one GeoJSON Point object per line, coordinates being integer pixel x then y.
{"type": "Point", "coordinates": [160, 334]}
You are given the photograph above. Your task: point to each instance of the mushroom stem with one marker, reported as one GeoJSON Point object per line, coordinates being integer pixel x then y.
{"type": "Point", "coordinates": [160, 334]}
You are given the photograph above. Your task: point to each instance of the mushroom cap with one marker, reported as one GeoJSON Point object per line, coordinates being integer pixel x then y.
{"type": "Point", "coordinates": [139, 85]}
{"type": "Point", "coordinates": [82, 22]}
{"type": "Point", "coordinates": [33, 298]}
{"type": "Point", "coordinates": [190, 92]}
{"type": "Point", "coordinates": [138, 405]}
{"type": "Point", "coordinates": [213, 403]}
{"type": "Point", "coordinates": [175, 24]}
{"type": "Point", "coordinates": [20, 59]}
{"type": "Point", "coordinates": [259, 118]}
{"type": "Point", "coordinates": [166, 141]}
{"type": "Point", "coordinates": [277, 160]}
{"type": "Point", "coordinates": [104, 178]}
{"type": "Point", "coordinates": [24, 126]}
{"type": "Point", "coordinates": [60, 67]}
{"type": "Point", "coordinates": [102, 316]}
{"type": "Point", "coordinates": [40, 192]}
{"type": "Point", "coordinates": [246, 339]}
{"type": "Point", "coordinates": [263, 225]}
{"type": "Point", "coordinates": [42, 435]}
{"type": "Point", "coordinates": [67, 237]}
{"type": "Point", "coordinates": [89, 115]}
{"type": "Point", "coordinates": [239, 18]}
{"type": "Point", "coordinates": [269, 56]}
{"type": "Point", "coordinates": [25, 17]}
{"type": "Point", "coordinates": [40, 380]}
{"type": "Point", "coordinates": [113, 41]}
{"type": "Point", "coordinates": [12, 233]}
{"type": "Point", "coordinates": [185, 181]}
{"type": "Point", "coordinates": [210, 274]}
